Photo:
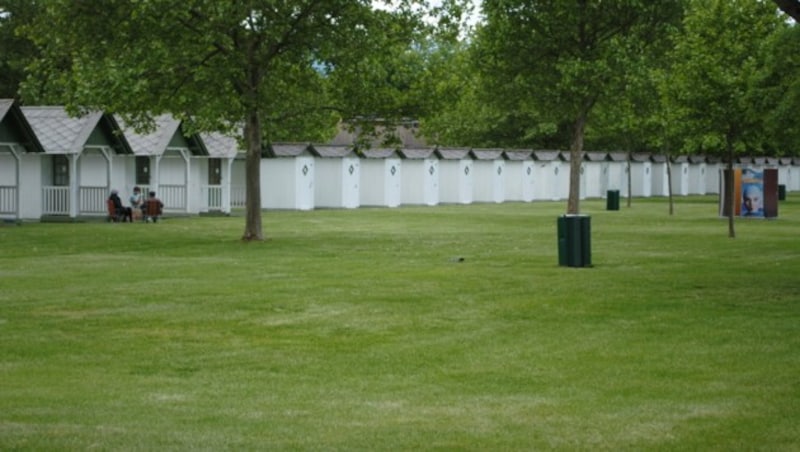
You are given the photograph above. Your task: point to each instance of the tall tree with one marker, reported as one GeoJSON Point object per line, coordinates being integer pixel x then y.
{"type": "Point", "coordinates": [265, 66]}
{"type": "Point", "coordinates": [716, 65]}
{"type": "Point", "coordinates": [16, 51]}
{"type": "Point", "coordinates": [563, 57]}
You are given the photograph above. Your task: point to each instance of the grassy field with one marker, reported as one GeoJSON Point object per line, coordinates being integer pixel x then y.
{"type": "Point", "coordinates": [440, 328]}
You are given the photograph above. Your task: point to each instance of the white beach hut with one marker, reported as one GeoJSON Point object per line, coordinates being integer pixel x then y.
{"type": "Point", "coordinates": [287, 177]}
{"type": "Point", "coordinates": [660, 179]}
{"type": "Point", "coordinates": [680, 175]}
{"type": "Point", "coordinates": [617, 175]}
{"type": "Point", "coordinates": [785, 173]}
{"type": "Point", "coordinates": [489, 175]}
{"type": "Point", "coordinates": [697, 174]}
{"type": "Point", "coordinates": [420, 177]}
{"type": "Point", "coordinates": [641, 174]}
{"type": "Point", "coordinates": [713, 167]}
{"type": "Point", "coordinates": [20, 164]}
{"type": "Point", "coordinates": [549, 168]}
{"type": "Point", "coordinates": [595, 165]}
{"type": "Point", "coordinates": [455, 176]}
{"type": "Point", "coordinates": [166, 162]}
{"type": "Point", "coordinates": [83, 161]}
{"type": "Point", "coordinates": [217, 170]}
{"type": "Point", "coordinates": [794, 175]}
{"type": "Point", "coordinates": [337, 176]}
{"type": "Point", "coordinates": [520, 182]}
{"type": "Point", "coordinates": [381, 178]}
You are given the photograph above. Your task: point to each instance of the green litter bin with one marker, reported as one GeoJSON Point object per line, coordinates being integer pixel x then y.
{"type": "Point", "coordinates": [781, 192]}
{"type": "Point", "coordinates": [612, 200]}
{"type": "Point", "coordinates": [575, 241]}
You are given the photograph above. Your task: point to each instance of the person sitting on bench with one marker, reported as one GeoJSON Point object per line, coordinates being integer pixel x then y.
{"type": "Point", "coordinates": [153, 208]}
{"type": "Point", "coordinates": [122, 213]}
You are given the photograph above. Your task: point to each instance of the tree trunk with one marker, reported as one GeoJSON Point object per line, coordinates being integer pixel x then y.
{"type": "Point", "coordinates": [729, 191]}
{"type": "Point", "coordinates": [669, 185]}
{"type": "Point", "coordinates": [252, 137]}
{"type": "Point", "coordinates": [575, 158]}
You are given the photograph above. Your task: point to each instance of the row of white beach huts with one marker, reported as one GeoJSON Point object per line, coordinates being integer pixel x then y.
{"type": "Point", "coordinates": [54, 165]}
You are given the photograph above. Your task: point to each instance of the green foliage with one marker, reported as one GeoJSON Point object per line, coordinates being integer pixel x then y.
{"type": "Point", "coordinates": [16, 52]}
{"type": "Point", "coordinates": [715, 64]}
{"type": "Point", "coordinates": [357, 330]}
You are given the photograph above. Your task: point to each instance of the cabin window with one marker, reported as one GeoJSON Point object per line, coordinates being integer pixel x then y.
{"type": "Point", "coordinates": [214, 172]}
{"type": "Point", "coordinates": [142, 170]}
{"type": "Point", "coordinates": [60, 171]}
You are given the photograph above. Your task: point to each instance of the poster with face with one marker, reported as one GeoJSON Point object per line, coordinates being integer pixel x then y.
{"type": "Point", "coordinates": [752, 194]}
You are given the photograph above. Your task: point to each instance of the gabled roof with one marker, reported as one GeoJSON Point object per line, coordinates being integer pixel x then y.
{"type": "Point", "coordinates": [486, 154]}
{"type": "Point", "coordinates": [618, 156]}
{"type": "Point", "coordinates": [415, 153]}
{"type": "Point", "coordinates": [287, 149]}
{"type": "Point", "coordinates": [379, 153]}
{"type": "Point", "coordinates": [785, 160]}
{"type": "Point", "coordinates": [325, 150]}
{"type": "Point", "coordinates": [772, 160]}
{"type": "Point", "coordinates": [156, 142]}
{"type": "Point", "coordinates": [547, 156]}
{"type": "Point", "coordinates": [60, 133]}
{"type": "Point", "coordinates": [220, 145]}
{"type": "Point", "coordinates": [680, 159]}
{"type": "Point", "coordinates": [451, 153]}
{"type": "Point", "coordinates": [760, 160]}
{"type": "Point", "coordinates": [697, 158]}
{"type": "Point", "coordinates": [659, 158]}
{"type": "Point", "coordinates": [595, 156]}
{"type": "Point", "coordinates": [11, 115]}
{"type": "Point", "coordinates": [641, 157]}
{"type": "Point", "coordinates": [518, 154]}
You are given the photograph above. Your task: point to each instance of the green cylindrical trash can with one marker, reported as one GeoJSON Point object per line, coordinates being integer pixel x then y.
{"type": "Point", "coordinates": [781, 192]}
{"type": "Point", "coordinates": [574, 241]}
{"type": "Point", "coordinates": [612, 200]}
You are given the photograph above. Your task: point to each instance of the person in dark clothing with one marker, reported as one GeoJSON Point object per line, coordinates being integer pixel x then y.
{"type": "Point", "coordinates": [125, 212]}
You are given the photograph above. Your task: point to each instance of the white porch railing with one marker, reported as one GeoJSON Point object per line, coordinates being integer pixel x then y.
{"type": "Point", "coordinates": [212, 194]}
{"type": "Point", "coordinates": [238, 194]}
{"type": "Point", "coordinates": [8, 199]}
{"type": "Point", "coordinates": [55, 200]}
{"type": "Point", "coordinates": [93, 200]}
{"type": "Point", "coordinates": [173, 196]}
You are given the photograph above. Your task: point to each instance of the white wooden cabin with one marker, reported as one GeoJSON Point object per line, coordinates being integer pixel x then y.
{"type": "Point", "coordinates": [660, 179]}
{"type": "Point", "coordinates": [420, 177]}
{"type": "Point", "coordinates": [84, 159]}
{"type": "Point", "coordinates": [641, 174]}
{"type": "Point", "coordinates": [593, 180]}
{"type": "Point", "coordinates": [489, 175]}
{"type": "Point", "coordinates": [20, 164]}
{"type": "Point", "coordinates": [287, 177]}
{"type": "Point", "coordinates": [520, 180]}
{"type": "Point", "coordinates": [381, 178]}
{"type": "Point", "coordinates": [551, 182]}
{"type": "Point", "coordinates": [680, 175]}
{"type": "Point", "coordinates": [697, 174]}
{"type": "Point", "coordinates": [456, 178]}
{"type": "Point", "coordinates": [216, 191]}
{"type": "Point", "coordinates": [713, 167]}
{"type": "Point", "coordinates": [169, 162]}
{"type": "Point", "coordinates": [337, 176]}
{"type": "Point", "coordinates": [786, 174]}
{"type": "Point", "coordinates": [617, 176]}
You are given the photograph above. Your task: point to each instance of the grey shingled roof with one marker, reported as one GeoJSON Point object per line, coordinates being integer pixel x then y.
{"type": "Point", "coordinates": [618, 156]}
{"type": "Point", "coordinates": [57, 131]}
{"type": "Point", "coordinates": [324, 150]}
{"type": "Point", "coordinates": [697, 158]}
{"type": "Point", "coordinates": [547, 156]}
{"type": "Point", "coordinates": [641, 157]}
{"type": "Point", "coordinates": [415, 153]}
{"type": "Point", "coordinates": [518, 154]}
{"type": "Point", "coordinates": [287, 149]}
{"type": "Point", "coordinates": [5, 107]}
{"type": "Point", "coordinates": [452, 154]}
{"type": "Point", "coordinates": [379, 153]}
{"type": "Point", "coordinates": [155, 142]}
{"type": "Point", "coordinates": [220, 145]}
{"type": "Point", "coordinates": [486, 154]}
{"type": "Point", "coordinates": [595, 156]}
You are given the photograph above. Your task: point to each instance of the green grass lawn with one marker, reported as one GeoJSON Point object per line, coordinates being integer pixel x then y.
{"type": "Point", "coordinates": [363, 330]}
